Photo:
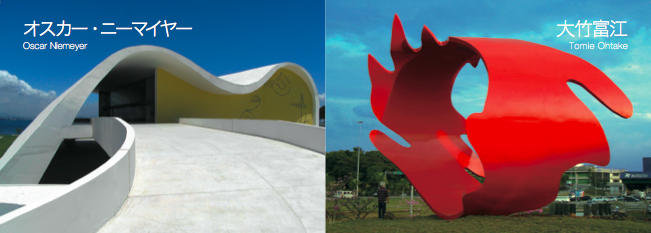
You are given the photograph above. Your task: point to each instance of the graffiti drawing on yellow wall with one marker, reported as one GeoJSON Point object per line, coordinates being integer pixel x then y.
{"type": "Point", "coordinates": [248, 114]}
{"type": "Point", "coordinates": [300, 105]}
{"type": "Point", "coordinates": [281, 84]}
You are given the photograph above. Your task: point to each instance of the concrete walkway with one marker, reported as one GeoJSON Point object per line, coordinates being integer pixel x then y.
{"type": "Point", "coordinates": [192, 179]}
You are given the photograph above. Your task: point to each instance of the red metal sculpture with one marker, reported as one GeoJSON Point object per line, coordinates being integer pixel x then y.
{"type": "Point", "coordinates": [532, 129]}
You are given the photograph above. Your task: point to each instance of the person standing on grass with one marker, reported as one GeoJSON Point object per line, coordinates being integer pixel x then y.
{"type": "Point", "coordinates": [382, 199]}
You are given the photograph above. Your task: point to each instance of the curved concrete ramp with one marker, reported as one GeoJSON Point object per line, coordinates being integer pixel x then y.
{"type": "Point", "coordinates": [193, 179]}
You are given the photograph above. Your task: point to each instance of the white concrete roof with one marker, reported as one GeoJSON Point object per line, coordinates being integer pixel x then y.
{"type": "Point", "coordinates": [224, 182]}
{"type": "Point", "coordinates": [28, 157]}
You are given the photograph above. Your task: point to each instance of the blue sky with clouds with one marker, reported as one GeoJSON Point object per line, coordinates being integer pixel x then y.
{"type": "Point", "coordinates": [227, 37]}
{"type": "Point", "coordinates": [355, 29]}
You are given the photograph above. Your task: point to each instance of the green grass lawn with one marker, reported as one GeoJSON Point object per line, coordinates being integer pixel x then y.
{"type": "Point", "coordinates": [5, 142]}
{"type": "Point", "coordinates": [529, 223]}
{"type": "Point", "coordinates": [399, 207]}
{"type": "Point", "coordinates": [492, 224]}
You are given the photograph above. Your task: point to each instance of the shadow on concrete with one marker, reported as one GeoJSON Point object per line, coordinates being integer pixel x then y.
{"type": "Point", "coordinates": [8, 207]}
{"type": "Point", "coordinates": [74, 159]}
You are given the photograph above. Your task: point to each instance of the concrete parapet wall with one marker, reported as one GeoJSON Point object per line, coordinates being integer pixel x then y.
{"type": "Point", "coordinates": [88, 203]}
{"type": "Point", "coordinates": [110, 133]}
{"type": "Point", "coordinates": [306, 136]}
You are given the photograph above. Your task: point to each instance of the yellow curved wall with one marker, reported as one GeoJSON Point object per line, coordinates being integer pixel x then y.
{"type": "Point", "coordinates": [285, 96]}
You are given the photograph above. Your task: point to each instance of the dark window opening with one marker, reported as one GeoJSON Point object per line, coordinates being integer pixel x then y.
{"type": "Point", "coordinates": [134, 103]}
{"type": "Point", "coordinates": [73, 160]}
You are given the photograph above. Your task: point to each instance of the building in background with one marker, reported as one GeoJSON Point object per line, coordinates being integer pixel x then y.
{"type": "Point", "coordinates": [638, 181]}
{"type": "Point", "coordinates": [618, 181]}
{"type": "Point", "coordinates": [590, 175]}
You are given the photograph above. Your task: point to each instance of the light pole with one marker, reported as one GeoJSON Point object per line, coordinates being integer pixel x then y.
{"type": "Point", "coordinates": [595, 181]}
{"type": "Point", "coordinates": [576, 186]}
{"type": "Point", "coordinates": [359, 148]}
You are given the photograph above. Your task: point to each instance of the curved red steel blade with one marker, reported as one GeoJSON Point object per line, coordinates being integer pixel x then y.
{"type": "Point", "coordinates": [533, 127]}
{"type": "Point", "coordinates": [414, 101]}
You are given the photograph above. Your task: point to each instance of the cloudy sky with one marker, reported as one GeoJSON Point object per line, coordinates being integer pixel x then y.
{"type": "Point", "coordinates": [227, 37]}
{"type": "Point", "coordinates": [355, 29]}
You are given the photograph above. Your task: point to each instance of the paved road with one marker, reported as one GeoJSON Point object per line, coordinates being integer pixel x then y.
{"type": "Point", "coordinates": [193, 179]}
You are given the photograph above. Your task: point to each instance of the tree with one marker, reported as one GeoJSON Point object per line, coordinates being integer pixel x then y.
{"type": "Point", "coordinates": [374, 175]}
{"type": "Point", "coordinates": [359, 207]}
{"type": "Point", "coordinates": [334, 208]}
{"type": "Point", "coordinates": [596, 180]}
{"type": "Point", "coordinates": [564, 179]}
{"type": "Point", "coordinates": [330, 179]}
{"type": "Point", "coordinates": [603, 183]}
{"type": "Point", "coordinates": [593, 178]}
{"type": "Point", "coordinates": [401, 185]}
{"type": "Point", "coordinates": [343, 162]}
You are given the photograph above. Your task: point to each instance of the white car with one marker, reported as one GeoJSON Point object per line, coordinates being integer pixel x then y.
{"type": "Point", "coordinates": [344, 194]}
{"type": "Point", "coordinates": [563, 199]}
{"type": "Point", "coordinates": [601, 199]}
{"type": "Point", "coordinates": [612, 199]}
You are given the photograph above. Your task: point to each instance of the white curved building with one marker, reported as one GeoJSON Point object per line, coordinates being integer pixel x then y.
{"type": "Point", "coordinates": [148, 84]}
